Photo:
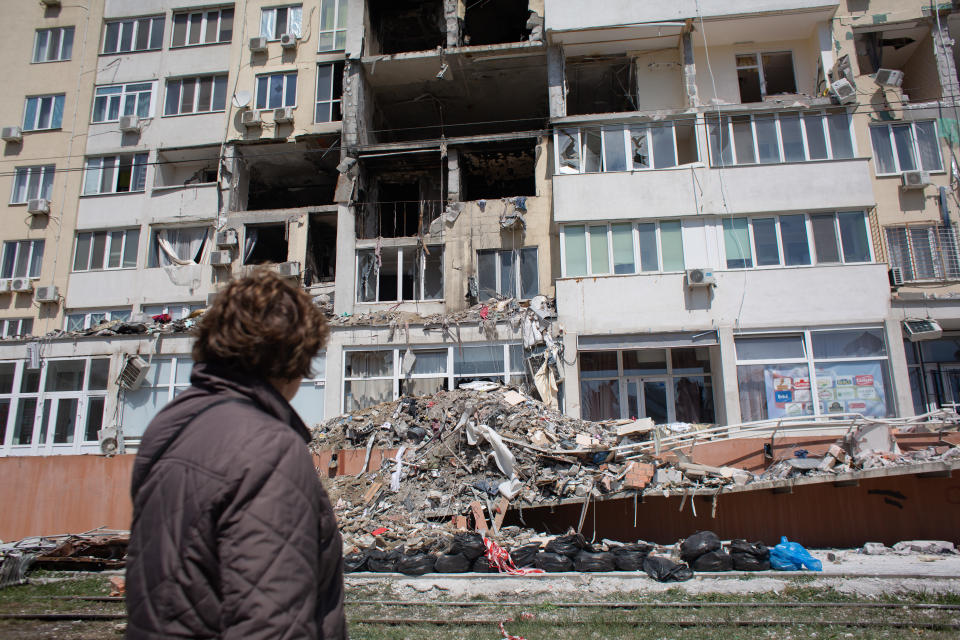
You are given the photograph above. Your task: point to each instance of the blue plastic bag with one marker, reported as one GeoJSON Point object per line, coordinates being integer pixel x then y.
{"type": "Point", "coordinates": [791, 556]}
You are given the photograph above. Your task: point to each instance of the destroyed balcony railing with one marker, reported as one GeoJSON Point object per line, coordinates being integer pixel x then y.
{"type": "Point", "coordinates": [396, 219]}
{"type": "Point", "coordinates": [923, 253]}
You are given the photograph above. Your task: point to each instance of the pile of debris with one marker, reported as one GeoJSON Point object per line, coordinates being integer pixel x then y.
{"type": "Point", "coordinates": [91, 551]}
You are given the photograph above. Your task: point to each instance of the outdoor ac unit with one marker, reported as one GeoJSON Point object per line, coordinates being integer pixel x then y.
{"type": "Point", "coordinates": [227, 238]}
{"type": "Point", "coordinates": [38, 206]}
{"type": "Point", "coordinates": [896, 276]}
{"type": "Point", "coordinates": [843, 91]}
{"type": "Point", "coordinates": [108, 440]}
{"type": "Point", "coordinates": [288, 269]}
{"type": "Point", "coordinates": [258, 44]}
{"type": "Point", "coordinates": [130, 124]}
{"type": "Point", "coordinates": [250, 119]}
{"type": "Point", "coordinates": [21, 285]}
{"type": "Point", "coordinates": [50, 3]}
{"type": "Point", "coordinates": [47, 294]}
{"type": "Point", "coordinates": [888, 77]}
{"type": "Point", "coordinates": [5, 285]}
{"type": "Point", "coordinates": [914, 179]}
{"type": "Point", "coordinates": [12, 134]}
{"type": "Point", "coordinates": [701, 278]}
{"type": "Point", "coordinates": [221, 258]}
{"type": "Point", "coordinates": [288, 41]}
{"type": "Point", "coordinates": [283, 114]}
{"type": "Point", "coordinates": [922, 329]}
{"type": "Point", "coordinates": [133, 373]}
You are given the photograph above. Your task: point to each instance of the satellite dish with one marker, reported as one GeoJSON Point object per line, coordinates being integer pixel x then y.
{"type": "Point", "coordinates": [241, 99]}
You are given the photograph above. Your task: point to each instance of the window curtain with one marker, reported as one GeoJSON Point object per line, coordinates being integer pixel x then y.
{"type": "Point", "coordinates": [296, 18]}
{"type": "Point", "coordinates": [249, 243]}
{"type": "Point", "coordinates": [181, 247]}
{"type": "Point", "coordinates": [268, 22]}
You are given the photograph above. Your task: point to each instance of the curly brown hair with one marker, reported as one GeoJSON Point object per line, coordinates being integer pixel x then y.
{"type": "Point", "coordinates": [263, 327]}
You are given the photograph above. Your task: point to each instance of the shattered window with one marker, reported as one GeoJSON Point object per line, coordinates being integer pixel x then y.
{"type": "Point", "coordinates": [766, 74]}
{"type": "Point", "coordinates": [567, 143]}
{"type": "Point", "coordinates": [329, 92]}
{"type": "Point", "coordinates": [399, 274]}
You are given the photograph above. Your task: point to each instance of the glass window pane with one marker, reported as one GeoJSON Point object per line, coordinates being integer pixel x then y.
{"type": "Point", "coordinates": [4, 418]}
{"type": "Point", "coordinates": [690, 360]}
{"type": "Point", "coordinates": [882, 150]}
{"type": "Point", "coordinates": [140, 407]}
{"type": "Point", "coordinates": [736, 241]}
{"type": "Point", "coordinates": [99, 373]}
{"type": "Point", "coordinates": [825, 238]}
{"type": "Point", "coordinates": [486, 359]}
{"type": "Point", "coordinates": [487, 274]}
{"type": "Point", "coordinates": [791, 134]}
{"type": "Point", "coordinates": [840, 142]}
{"type": "Point", "coordinates": [671, 245]}
{"type": "Point", "coordinates": [853, 237]}
{"type": "Point", "coordinates": [290, 99]}
{"type": "Point", "coordinates": [226, 25]}
{"type": "Point", "coordinates": [276, 92]}
{"type": "Point", "coordinates": [568, 155]}
{"type": "Point", "coordinates": [793, 236]}
{"type": "Point", "coordinates": [116, 245]}
{"type": "Point", "coordinates": [508, 274]}
{"type": "Point", "coordinates": [774, 391]}
{"type": "Point", "coordinates": [721, 150]}
{"type": "Point", "coordinates": [173, 98]}
{"type": "Point", "coordinates": [664, 150]}
{"type": "Point", "coordinates": [187, 93]}
{"type": "Point", "coordinates": [65, 428]}
{"type": "Point", "coordinates": [96, 253]}
{"type": "Point", "coordinates": [599, 399]}
{"type": "Point", "coordinates": [592, 149]}
{"type": "Point", "coordinates": [130, 248]}
{"type": "Point", "coordinates": [903, 139]}
{"type": "Point", "coordinates": [143, 35]}
{"type": "Point", "coordinates": [769, 347]}
{"type": "Point", "coordinates": [599, 257]}
{"type": "Point", "coordinates": [648, 247]}
{"type": "Point", "coordinates": [598, 364]}
{"type": "Point", "coordinates": [212, 27]}
{"type": "Point", "coordinates": [529, 274]}
{"type": "Point", "coordinates": [644, 361]}
{"type": "Point", "coordinates": [324, 81]}
{"type": "Point", "coordinates": [639, 147]}
{"type": "Point", "coordinates": [126, 36]}
{"type": "Point", "coordinates": [743, 139]}
{"type": "Point", "coordinates": [360, 364]}
{"type": "Point", "coordinates": [23, 427]}
{"type": "Point", "coordinates": [95, 407]}
{"type": "Point", "coordinates": [180, 29]}
{"type": "Point", "coordinates": [7, 370]}
{"type": "Point", "coordinates": [854, 387]}
{"type": "Point", "coordinates": [360, 394]}
{"type": "Point", "coordinates": [816, 140]}
{"type": "Point", "coordinates": [517, 361]}
{"type": "Point", "coordinates": [765, 241]}
{"type": "Point", "coordinates": [156, 35]}
{"type": "Point", "coordinates": [433, 361]}
{"type": "Point", "coordinates": [219, 93]}
{"type": "Point", "coordinates": [767, 146]}
{"type": "Point", "coordinates": [575, 250]}
{"type": "Point", "coordinates": [82, 257]}
{"type": "Point", "coordinates": [923, 250]}
{"type": "Point", "coordinates": [858, 343]}
{"type": "Point", "coordinates": [930, 159]}
{"type": "Point", "coordinates": [614, 150]}
{"type": "Point", "coordinates": [65, 375]}
{"type": "Point", "coordinates": [622, 248]}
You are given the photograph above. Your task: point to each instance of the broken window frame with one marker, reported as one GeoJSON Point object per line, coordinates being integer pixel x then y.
{"type": "Point", "coordinates": [155, 392]}
{"type": "Point", "coordinates": [808, 359]}
{"type": "Point", "coordinates": [16, 328]}
{"type": "Point", "coordinates": [641, 235]}
{"type": "Point", "coordinates": [741, 242]}
{"type": "Point", "coordinates": [924, 253]}
{"type": "Point", "coordinates": [33, 182]}
{"type": "Point", "coordinates": [110, 102]}
{"type": "Point", "coordinates": [758, 65]}
{"type": "Point", "coordinates": [80, 320]}
{"type": "Point", "coordinates": [332, 35]}
{"type": "Point", "coordinates": [43, 113]}
{"type": "Point", "coordinates": [47, 48]}
{"type": "Point", "coordinates": [102, 174]}
{"type": "Point", "coordinates": [265, 83]}
{"type": "Point", "coordinates": [271, 29]}
{"type": "Point", "coordinates": [609, 135]}
{"type": "Point", "coordinates": [419, 280]}
{"type": "Point", "coordinates": [913, 147]}
{"type": "Point", "coordinates": [157, 257]}
{"type": "Point", "coordinates": [222, 21]}
{"type": "Point", "coordinates": [176, 310]}
{"type": "Point", "coordinates": [517, 257]}
{"type": "Point", "coordinates": [22, 258]}
{"type": "Point", "coordinates": [173, 103]}
{"type": "Point", "coordinates": [132, 30]}
{"type": "Point", "coordinates": [722, 138]}
{"type": "Point", "coordinates": [107, 250]}
{"type": "Point", "coordinates": [32, 387]}
{"type": "Point", "coordinates": [332, 102]}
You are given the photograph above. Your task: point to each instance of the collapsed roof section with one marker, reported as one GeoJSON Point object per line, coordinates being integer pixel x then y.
{"type": "Point", "coordinates": [286, 175]}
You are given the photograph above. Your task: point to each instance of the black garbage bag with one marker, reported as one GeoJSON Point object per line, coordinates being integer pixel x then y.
{"type": "Point", "coordinates": [749, 556]}
{"type": "Point", "coordinates": [568, 545]}
{"type": "Point", "coordinates": [482, 565]}
{"type": "Point", "coordinates": [665, 570]}
{"type": "Point", "coordinates": [354, 562]}
{"type": "Point", "coordinates": [469, 544]}
{"type": "Point", "coordinates": [452, 563]}
{"type": "Point", "coordinates": [698, 544]}
{"type": "Point", "coordinates": [718, 560]}
{"type": "Point", "coordinates": [416, 564]}
{"type": "Point", "coordinates": [632, 547]}
{"type": "Point", "coordinates": [630, 557]}
{"type": "Point", "coordinates": [523, 556]}
{"type": "Point", "coordinates": [383, 562]}
{"type": "Point", "coordinates": [553, 562]}
{"type": "Point", "coordinates": [587, 561]}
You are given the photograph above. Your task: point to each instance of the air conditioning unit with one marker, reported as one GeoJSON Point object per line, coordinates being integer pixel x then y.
{"type": "Point", "coordinates": [47, 294]}
{"type": "Point", "coordinates": [914, 179]}
{"type": "Point", "coordinates": [221, 258]}
{"type": "Point", "coordinates": [109, 440]}
{"type": "Point", "coordinates": [288, 269]}
{"type": "Point", "coordinates": [283, 114]}
{"type": "Point", "coordinates": [896, 276]}
{"type": "Point", "coordinates": [258, 45]}
{"type": "Point", "coordinates": [130, 124]}
{"type": "Point", "coordinates": [922, 329]}
{"type": "Point", "coordinates": [888, 77]}
{"type": "Point", "coordinates": [227, 238]}
{"type": "Point", "coordinates": [5, 285]}
{"type": "Point", "coordinates": [843, 91]}
{"type": "Point", "coordinates": [50, 3]}
{"type": "Point", "coordinates": [133, 373]}
{"type": "Point", "coordinates": [38, 206]}
{"type": "Point", "coordinates": [250, 119]}
{"type": "Point", "coordinates": [21, 285]}
{"type": "Point", "coordinates": [288, 41]}
{"type": "Point", "coordinates": [12, 134]}
{"type": "Point", "coordinates": [701, 278]}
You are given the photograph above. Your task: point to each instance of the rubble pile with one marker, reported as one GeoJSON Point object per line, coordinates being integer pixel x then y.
{"type": "Point", "coordinates": [92, 551]}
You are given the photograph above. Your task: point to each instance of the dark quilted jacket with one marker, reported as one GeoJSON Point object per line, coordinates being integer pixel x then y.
{"type": "Point", "coordinates": [233, 535]}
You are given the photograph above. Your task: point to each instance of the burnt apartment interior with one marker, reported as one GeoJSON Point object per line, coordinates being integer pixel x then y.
{"type": "Point", "coordinates": [265, 243]}
{"type": "Point", "coordinates": [186, 166]}
{"type": "Point", "coordinates": [600, 84]}
{"type": "Point", "coordinates": [495, 22]}
{"type": "Point", "coordinates": [321, 258]}
{"type": "Point", "coordinates": [287, 175]}
{"type": "Point", "coordinates": [400, 195]}
{"type": "Point", "coordinates": [498, 169]}
{"type": "Point", "coordinates": [905, 47]}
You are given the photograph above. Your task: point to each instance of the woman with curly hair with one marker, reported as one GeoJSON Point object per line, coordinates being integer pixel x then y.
{"type": "Point", "coordinates": [233, 535]}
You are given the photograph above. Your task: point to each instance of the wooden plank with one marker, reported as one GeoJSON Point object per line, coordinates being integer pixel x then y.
{"type": "Point", "coordinates": [479, 518]}
{"type": "Point", "coordinates": [501, 511]}
{"type": "Point", "coordinates": [372, 491]}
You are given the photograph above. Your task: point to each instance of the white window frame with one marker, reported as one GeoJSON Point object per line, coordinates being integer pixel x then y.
{"type": "Point", "coordinates": [421, 270]}
{"type": "Point", "coordinates": [42, 188]}
{"type": "Point", "coordinates": [42, 45]}
{"type": "Point", "coordinates": [635, 232]}
{"type": "Point", "coordinates": [93, 317]}
{"type": "Point", "coordinates": [627, 129]}
{"type": "Point", "coordinates": [16, 327]}
{"type": "Point", "coordinates": [288, 77]}
{"type": "Point", "coordinates": [498, 269]}
{"type": "Point", "coordinates": [51, 123]}
{"type": "Point", "coordinates": [127, 97]}
{"type": "Point", "coordinates": [759, 67]}
{"type": "Point", "coordinates": [110, 236]}
{"type": "Point", "coordinates": [166, 390]}
{"type": "Point", "coordinates": [289, 27]}
{"type": "Point", "coordinates": [726, 122]}
{"type": "Point", "coordinates": [205, 18]}
{"type": "Point", "coordinates": [915, 146]}
{"type": "Point", "coordinates": [97, 164]}
{"type": "Point", "coordinates": [176, 310]}
{"type": "Point", "coordinates": [134, 25]}
{"type": "Point", "coordinates": [218, 80]}
{"type": "Point", "coordinates": [34, 247]}
{"type": "Point", "coordinates": [334, 98]}
{"type": "Point", "coordinates": [339, 27]}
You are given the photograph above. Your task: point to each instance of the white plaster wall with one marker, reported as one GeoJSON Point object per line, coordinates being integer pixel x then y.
{"type": "Point", "coordinates": [792, 297]}
{"type": "Point", "coordinates": [660, 80]}
{"type": "Point", "coordinates": [159, 132]}
{"type": "Point", "coordinates": [806, 186]}
{"type": "Point", "coordinates": [574, 14]}
{"type": "Point", "coordinates": [165, 63]}
{"type": "Point", "coordinates": [126, 287]}
{"type": "Point", "coordinates": [180, 205]}
{"type": "Point", "coordinates": [128, 8]}
{"type": "Point", "coordinates": [723, 64]}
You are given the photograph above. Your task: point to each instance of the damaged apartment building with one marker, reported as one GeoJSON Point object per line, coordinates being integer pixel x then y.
{"type": "Point", "coordinates": [689, 211]}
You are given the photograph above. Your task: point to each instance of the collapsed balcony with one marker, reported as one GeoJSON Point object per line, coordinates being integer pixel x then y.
{"type": "Point", "coordinates": [906, 48]}
{"type": "Point", "coordinates": [280, 176]}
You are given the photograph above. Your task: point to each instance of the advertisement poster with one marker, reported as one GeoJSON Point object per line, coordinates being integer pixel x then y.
{"type": "Point", "coordinates": [848, 387]}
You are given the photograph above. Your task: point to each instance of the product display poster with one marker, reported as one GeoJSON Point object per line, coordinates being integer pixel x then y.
{"type": "Point", "coordinates": [788, 390]}
{"type": "Point", "coordinates": [853, 387]}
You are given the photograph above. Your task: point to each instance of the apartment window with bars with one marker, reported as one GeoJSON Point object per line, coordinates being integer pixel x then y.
{"type": "Point", "coordinates": [115, 174]}
{"type": "Point", "coordinates": [98, 250]}
{"type": "Point", "coordinates": [43, 112]}
{"type": "Point", "coordinates": [203, 94]}
{"type": "Point", "coordinates": [111, 102]}
{"type": "Point", "coordinates": [772, 138]}
{"type": "Point", "coordinates": [906, 146]}
{"type": "Point", "coordinates": [32, 182]}
{"type": "Point", "coordinates": [333, 25]}
{"type": "Point", "coordinates": [133, 34]}
{"type": "Point", "coordinates": [53, 45]}
{"type": "Point", "coordinates": [212, 26]}
{"type": "Point", "coordinates": [924, 252]}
